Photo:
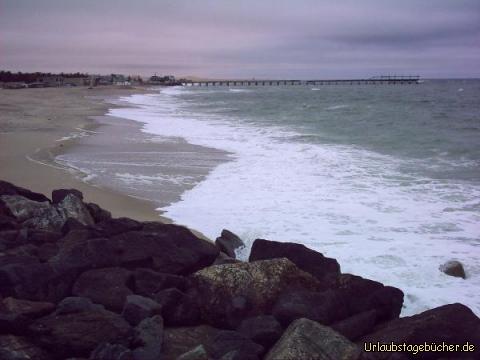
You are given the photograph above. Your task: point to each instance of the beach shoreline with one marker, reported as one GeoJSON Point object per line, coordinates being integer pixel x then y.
{"type": "Point", "coordinates": [36, 125]}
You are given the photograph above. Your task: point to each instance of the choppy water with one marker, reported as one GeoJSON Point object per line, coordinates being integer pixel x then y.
{"type": "Point", "coordinates": [384, 178]}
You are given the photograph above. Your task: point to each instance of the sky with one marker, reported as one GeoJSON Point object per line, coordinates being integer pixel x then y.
{"type": "Point", "coordinates": [277, 39]}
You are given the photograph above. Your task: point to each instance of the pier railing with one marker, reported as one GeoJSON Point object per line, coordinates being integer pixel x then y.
{"type": "Point", "coordinates": [376, 80]}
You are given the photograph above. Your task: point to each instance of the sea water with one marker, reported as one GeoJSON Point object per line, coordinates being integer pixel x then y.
{"type": "Point", "coordinates": [384, 178]}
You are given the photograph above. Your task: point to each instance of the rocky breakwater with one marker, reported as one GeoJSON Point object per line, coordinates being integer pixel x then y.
{"type": "Point", "coordinates": [76, 283]}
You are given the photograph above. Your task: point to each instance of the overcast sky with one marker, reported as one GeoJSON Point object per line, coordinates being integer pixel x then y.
{"type": "Point", "coordinates": [243, 39]}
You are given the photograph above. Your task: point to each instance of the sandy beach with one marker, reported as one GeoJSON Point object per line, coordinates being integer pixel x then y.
{"type": "Point", "coordinates": [37, 124]}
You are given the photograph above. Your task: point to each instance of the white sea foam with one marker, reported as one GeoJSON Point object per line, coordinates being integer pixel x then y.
{"type": "Point", "coordinates": [349, 203]}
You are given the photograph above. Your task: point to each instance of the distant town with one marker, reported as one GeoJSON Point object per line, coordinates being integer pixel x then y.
{"type": "Point", "coordinates": [21, 80]}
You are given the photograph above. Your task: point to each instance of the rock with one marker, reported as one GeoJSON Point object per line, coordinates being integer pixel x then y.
{"type": "Point", "coordinates": [60, 194]}
{"type": "Point", "coordinates": [71, 305]}
{"type": "Point", "coordinates": [8, 223]}
{"type": "Point", "coordinates": [228, 242]}
{"type": "Point", "coordinates": [10, 239]}
{"type": "Point", "coordinates": [40, 237]}
{"type": "Point", "coordinates": [30, 309]}
{"type": "Point", "coordinates": [324, 307]}
{"type": "Point", "coordinates": [197, 353]}
{"type": "Point", "coordinates": [107, 351]}
{"type": "Point", "coordinates": [47, 251]}
{"type": "Point", "coordinates": [148, 282]}
{"type": "Point", "coordinates": [228, 341]}
{"type": "Point", "coordinates": [313, 262]}
{"type": "Point", "coordinates": [98, 214]}
{"type": "Point", "coordinates": [307, 339]}
{"type": "Point", "coordinates": [111, 227]}
{"type": "Point", "coordinates": [19, 348]}
{"type": "Point", "coordinates": [452, 324]}
{"type": "Point", "coordinates": [223, 258]}
{"type": "Point", "coordinates": [106, 286]}
{"type": "Point", "coordinates": [148, 339]}
{"type": "Point", "coordinates": [264, 330]}
{"type": "Point", "coordinates": [13, 324]}
{"type": "Point", "coordinates": [73, 207]}
{"type": "Point", "coordinates": [72, 224]}
{"type": "Point", "coordinates": [179, 340]}
{"type": "Point", "coordinates": [453, 268]}
{"type": "Point", "coordinates": [363, 295]}
{"type": "Point", "coordinates": [137, 308]}
{"type": "Point", "coordinates": [356, 326]}
{"type": "Point", "coordinates": [178, 308]}
{"type": "Point", "coordinates": [7, 188]}
{"type": "Point", "coordinates": [78, 333]}
{"type": "Point", "coordinates": [229, 293]}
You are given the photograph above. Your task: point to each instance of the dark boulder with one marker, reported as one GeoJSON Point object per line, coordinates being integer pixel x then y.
{"type": "Point", "coordinates": [307, 339]}
{"type": "Point", "coordinates": [137, 308]}
{"type": "Point", "coordinates": [356, 326]}
{"type": "Point", "coordinates": [75, 304]}
{"type": "Point", "coordinates": [264, 330]}
{"type": "Point", "coordinates": [452, 324]}
{"type": "Point", "coordinates": [10, 239]}
{"type": "Point", "coordinates": [107, 351]}
{"type": "Point", "coordinates": [223, 258]}
{"type": "Point", "coordinates": [179, 340]}
{"type": "Point", "coordinates": [78, 333]}
{"type": "Point", "coordinates": [8, 223]}
{"type": "Point", "coordinates": [229, 293]}
{"type": "Point", "coordinates": [7, 188]}
{"type": "Point", "coordinates": [98, 214]}
{"type": "Point", "coordinates": [148, 339]}
{"type": "Point", "coordinates": [60, 194]}
{"type": "Point", "coordinates": [228, 341]}
{"type": "Point", "coordinates": [363, 295]}
{"type": "Point", "coordinates": [20, 348]}
{"type": "Point", "coordinates": [313, 262]}
{"type": "Point", "coordinates": [39, 237]}
{"type": "Point", "coordinates": [453, 268]}
{"type": "Point", "coordinates": [26, 308]}
{"type": "Point", "coordinates": [13, 324]}
{"type": "Point", "coordinates": [178, 308]}
{"type": "Point", "coordinates": [108, 286]}
{"type": "Point", "coordinates": [323, 307]}
{"type": "Point", "coordinates": [72, 224]}
{"type": "Point", "coordinates": [197, 353]}
{"type": "Point", "coordinates": [148, 282]}
{"type": "Point", "coordinates": [111, 227]}
{"type": "Point", "coordinates": [228, 242]}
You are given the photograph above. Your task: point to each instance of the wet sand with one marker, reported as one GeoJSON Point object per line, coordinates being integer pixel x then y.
{"type": "Point", "coordinates": [31, 123]}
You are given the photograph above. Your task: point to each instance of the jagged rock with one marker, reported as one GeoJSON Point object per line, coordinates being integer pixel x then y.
{"type": "Point", "coordinates": [47, 251]}
{"type": "Point", "coordinates": [313, 262]}
{"type": "Point", "coordinates": [229, 293]}
{"type": "Point", "coordinates": [60, 194]}
{"type": "Point", "coordinates": [356, 326]}
{"type": "Point", "coordinates": [453, 268]}
{"type": "Point", "coordinates": [45, 216]}
{"type": "Point", "coordinates": [452, 324]}
{"type": "Point", "coordinates": [72, 224]}
{"type": "Point", "coordinates": [137, 308]}
{"type": "Point", "coordinates": [107, 351]}
{"type": "Point", "coordinates": [228, 242]}
{"type": "Point", "coordinates": [19, 348]}
{"type": "Point", "coordinates": [111, 227]}
{"type": "Point", "coordinates": [106, 286]}
{"type": "Point", "coordinates": [39, 237]}
{"type": "Point", "coordinates": [307, 339]}
{"type": "Point", "coordinates": [8, 223]}
{"type": "Point", "coordinates": [178, 308]}
{"type": "Point", "coordinates": [98, 214]}
{"type": "Point", "coordinates": [7, 188]}
{"type": "Point", "coordinates": [223, 258]}
{"type": "Point", "coordinates": [74, 304]}
{"type": "Point", "coordinates": [324, 307]}
{"type": "Point", "coordinates": [363, 294]}
{"type": "Point", "coordinates": [179, 340]}
{"type": "Point", "coordinates": [148, 282]}
{"type": "Point", "coordinates": [197, 353]}
{"type": "Point", "coordinates": [148, 339]}
{"type": "Point", "coordinates": [228, 341]}
{"type": "Point", "coordinates": [10, 239]}
{"type": "Point", "coordinates": [264, 330]}
{"type": "Point", "coordinates": [78, 333]}
{"type": "Point", "coordinates": [30, 309]}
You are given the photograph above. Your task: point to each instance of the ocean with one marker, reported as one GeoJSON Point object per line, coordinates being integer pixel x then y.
{"type": "Point", "coordinates": [384, 178]}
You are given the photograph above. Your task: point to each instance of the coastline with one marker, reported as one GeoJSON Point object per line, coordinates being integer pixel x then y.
{"type": "Point", "coordinates": [31, 123]}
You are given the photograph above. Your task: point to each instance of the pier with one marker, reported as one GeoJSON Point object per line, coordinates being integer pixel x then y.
{"type": "Point", "coordinates": [377, 80]}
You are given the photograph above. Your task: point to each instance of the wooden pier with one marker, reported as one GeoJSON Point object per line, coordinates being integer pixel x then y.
{"type": "Point", "coordinates": [378, 80]}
